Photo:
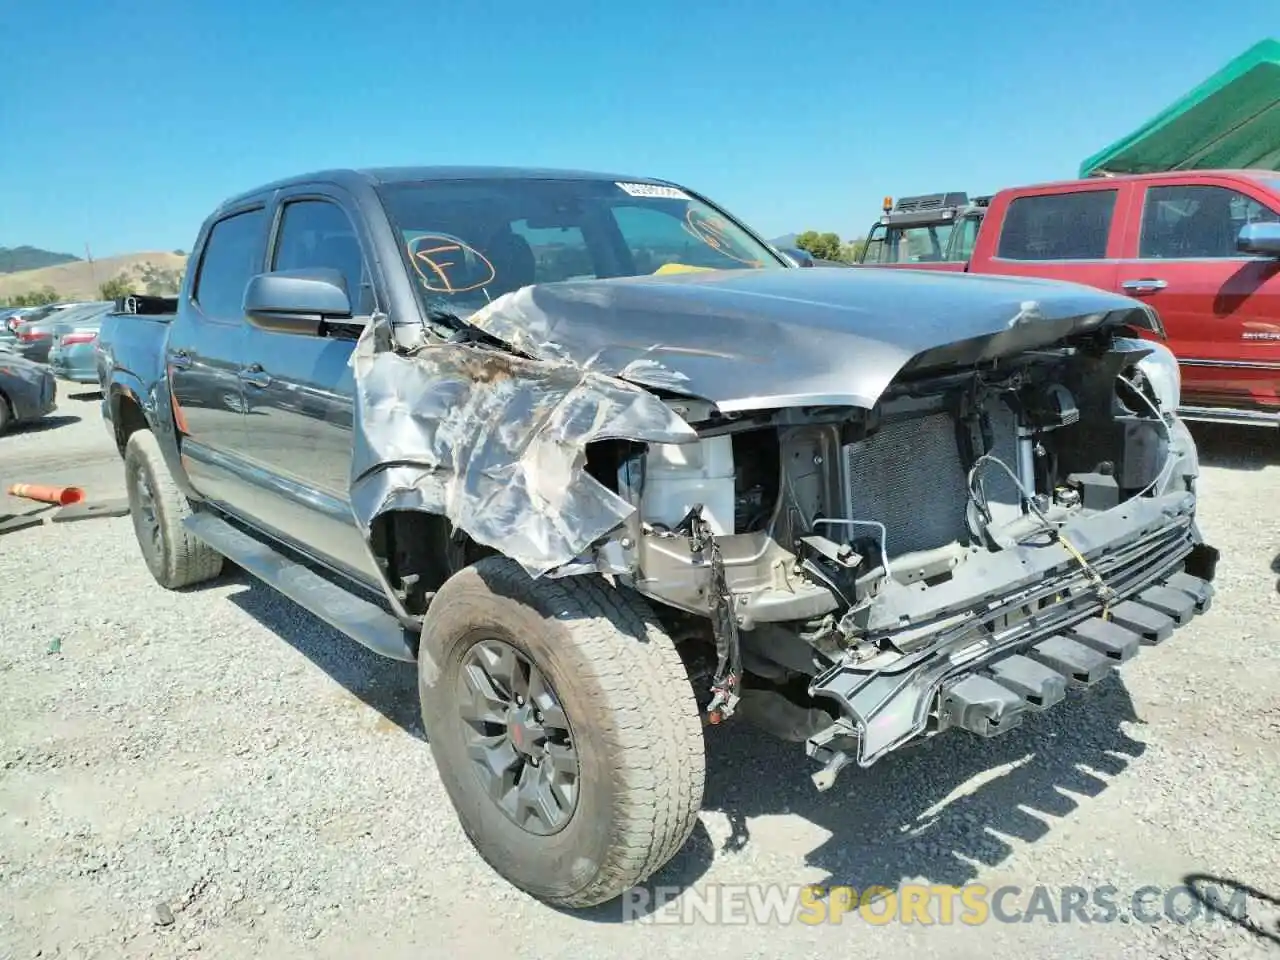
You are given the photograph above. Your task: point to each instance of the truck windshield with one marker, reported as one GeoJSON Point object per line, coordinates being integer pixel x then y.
{"type": "Point", "coordinates": [469, 241]}
{"type": "Point", "coordinates": [918, 244]}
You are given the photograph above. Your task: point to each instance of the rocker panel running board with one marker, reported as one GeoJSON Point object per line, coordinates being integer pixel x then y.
{"type": "Point", "coordinates": [361, 620]}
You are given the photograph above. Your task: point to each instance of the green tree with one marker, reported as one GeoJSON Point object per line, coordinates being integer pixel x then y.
{"type": "Point", "coordinates": [159, 281]}
{"type": "Point", "coordinates": [824, 246]}
{"type": "Point", "coordinates": [851, 251]}
{"type": "Point", "coordinates": [116, 287]}
{"type": "Point", "coordinates": [35, 298]}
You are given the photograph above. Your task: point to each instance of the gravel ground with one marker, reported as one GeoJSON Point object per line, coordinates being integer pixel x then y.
{"type": "Point", "coordinates": [217, 771]}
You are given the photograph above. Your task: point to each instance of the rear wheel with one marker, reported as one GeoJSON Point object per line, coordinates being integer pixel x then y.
{"type": "Point", "coordinates": [174, 556]}
{"type": "Point", "coordinates": [6, 413]}
{"type": "Point", "coordinates": [564, 729]}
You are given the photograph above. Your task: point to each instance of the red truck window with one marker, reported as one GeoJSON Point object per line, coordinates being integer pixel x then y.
{"type": "Point", "coordinates": [1060, 226]}
{"type": "Point", "coordinates": [1195, 221]}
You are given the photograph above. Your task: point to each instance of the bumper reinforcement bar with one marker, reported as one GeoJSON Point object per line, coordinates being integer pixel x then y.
{"type": "Point", "coordinates": [992, 697]}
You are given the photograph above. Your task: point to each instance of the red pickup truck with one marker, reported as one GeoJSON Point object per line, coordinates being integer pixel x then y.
{"type": "Point", "coordinates": [1202, 248]}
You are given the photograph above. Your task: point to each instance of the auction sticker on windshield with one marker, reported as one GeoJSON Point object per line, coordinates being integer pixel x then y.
{"type": "Point", "coordinates": [653, 190]}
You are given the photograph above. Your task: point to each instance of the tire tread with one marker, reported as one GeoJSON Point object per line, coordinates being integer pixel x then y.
{"type": "Point", "coordinates": [189, 560]}
{"type": "Point", "coordinates": [645, 710]}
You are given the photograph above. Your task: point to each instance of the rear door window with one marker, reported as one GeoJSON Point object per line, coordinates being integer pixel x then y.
{"type": "Point", "coordinates": [1196, 221]}
{"type": "Point", "coordinates": [232, 255]}
{"type": "Point", "coordinates": [1061, 226]}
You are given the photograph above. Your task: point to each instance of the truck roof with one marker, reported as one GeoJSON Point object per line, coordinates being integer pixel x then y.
{"type": "Point", "coordinates": [368, 176]}
{"type": "Point", "coordinates": [1161, 175]}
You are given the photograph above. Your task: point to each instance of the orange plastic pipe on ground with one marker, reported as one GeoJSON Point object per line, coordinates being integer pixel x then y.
{"type": "Point", "coordinates": [63, 496]}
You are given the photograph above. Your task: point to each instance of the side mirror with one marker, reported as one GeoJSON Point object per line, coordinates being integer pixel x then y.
{"type": "Point", "coordinates": [798, 257]}
{"type": "Point", "coordinates": [1259, 238]}
{"type": "Point", "coordinates": [296, 301]}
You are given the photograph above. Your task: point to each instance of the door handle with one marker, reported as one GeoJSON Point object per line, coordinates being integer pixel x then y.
{"type": "Point", "coordinates": [255, 376]}
{"type": "Point", "coordinates": [180, 359]}
{"type": "Point", "coordinates": [1148, 285]}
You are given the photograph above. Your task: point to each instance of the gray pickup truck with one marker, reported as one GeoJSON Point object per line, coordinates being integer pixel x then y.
{"type": "Point", "coordinates": [610, 469]}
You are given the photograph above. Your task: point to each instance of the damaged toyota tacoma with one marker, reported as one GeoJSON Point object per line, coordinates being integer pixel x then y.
{"type": "Point", "coordinates": [610, 470]}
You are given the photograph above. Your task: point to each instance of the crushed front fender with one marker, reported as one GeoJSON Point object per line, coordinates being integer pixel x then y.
{"type": "Point", "coordinates": [495, 443]}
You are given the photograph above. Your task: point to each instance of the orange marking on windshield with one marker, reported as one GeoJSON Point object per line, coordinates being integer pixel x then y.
{"type": "Point", "coordinates": [714, 232]}
{"type": "Point", "coordinates": [434, 271]}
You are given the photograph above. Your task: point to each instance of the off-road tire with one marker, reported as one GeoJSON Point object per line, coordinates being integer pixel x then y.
{"type": "Point", "coordinates": [629, 702]}
{"type": "Point", "coordinates": [175, 557]}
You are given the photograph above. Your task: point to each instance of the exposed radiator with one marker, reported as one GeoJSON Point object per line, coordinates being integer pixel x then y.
{"type": "Point", "coordinates": [909, 477]}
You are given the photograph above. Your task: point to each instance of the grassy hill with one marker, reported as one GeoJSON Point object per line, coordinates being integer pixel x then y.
{"type": "Point", "coordinates": [79, 280]}
{"type": "Point", "coordinates": [13, 259]}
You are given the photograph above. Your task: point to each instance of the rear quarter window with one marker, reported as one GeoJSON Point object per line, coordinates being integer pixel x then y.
{"type": "Point", "coordinates": [232, 255]}
{"type": "Point", "coordinates": [1058, 226]}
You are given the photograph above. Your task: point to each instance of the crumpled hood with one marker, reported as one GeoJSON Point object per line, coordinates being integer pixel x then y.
{"type": "Point", "coordinates": [496, 443]}
{"type": "Point", "coordinates": [760, 339]}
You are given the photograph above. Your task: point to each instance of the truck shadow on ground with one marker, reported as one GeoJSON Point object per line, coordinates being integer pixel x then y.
{"type": "Point", "coordinates": [1236, 447]}
{"type": "Point", "coordinates": [899, 820]}
{"type": "Point", "coordinates": [388, 686]}
{"type": "Point", "coordinates": [43, 424]}
{"type": "Point", "coordinates": [941, 811]}
{"type": "Point", "coordinates": [1261, 917]}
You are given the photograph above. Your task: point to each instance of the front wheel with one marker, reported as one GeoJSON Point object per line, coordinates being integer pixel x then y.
{"type": "Point", "coordinates": [564, 728]}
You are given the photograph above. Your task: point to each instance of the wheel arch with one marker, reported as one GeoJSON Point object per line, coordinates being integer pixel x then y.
{"type": "Point", "coordinates": [417, 551]}
{"type": "Point", "coordinates": [127, 415]}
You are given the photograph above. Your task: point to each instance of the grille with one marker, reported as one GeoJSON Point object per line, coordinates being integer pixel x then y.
{"type": "Point", "coordinates": [909, 477]}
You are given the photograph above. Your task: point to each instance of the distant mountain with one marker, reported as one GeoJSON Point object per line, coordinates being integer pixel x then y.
{"type": "Point", "coordinates": [16, 259]}
{"type": "Point", "coordinates": [147, 272]}
{"type": "Point", "coordinates": [787, 241]}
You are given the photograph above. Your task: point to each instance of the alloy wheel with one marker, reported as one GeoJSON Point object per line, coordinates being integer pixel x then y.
{"type": "Point", "coordinates": [518, 737]}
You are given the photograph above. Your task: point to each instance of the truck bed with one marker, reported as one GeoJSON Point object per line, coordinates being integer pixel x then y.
{"type": "Point", "coordinates": [130, 346]}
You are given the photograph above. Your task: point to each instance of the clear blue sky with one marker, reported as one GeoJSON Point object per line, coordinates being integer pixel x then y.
{"type": "Point", "coordinates": [122, 124]}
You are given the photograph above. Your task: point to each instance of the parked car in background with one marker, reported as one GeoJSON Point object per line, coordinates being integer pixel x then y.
{"type": "Point", "coordinates": [803, 258]}
{"type": "Point", "coordinates": [1201, 247]}
{"type": "Point", "coordinates": [72, 356]}
{"type": "Point", "coordinates": [14, 317]}
{"type": "Point", "coordinates": [8, 319]}
{"type": "Point", "coordinates": [35, 337]}
{"type": "Point", "coordinates": [28, 390]}
{"type": "Point", "coordinates": [932, 228]}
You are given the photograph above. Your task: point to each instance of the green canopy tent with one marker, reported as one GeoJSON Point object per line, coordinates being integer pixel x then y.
{"type": "Point", "coordinates": [1231, 122]}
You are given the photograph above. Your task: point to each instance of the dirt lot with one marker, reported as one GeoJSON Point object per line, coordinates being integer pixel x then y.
{"type": "Point", "coordinates": [217, 771]}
